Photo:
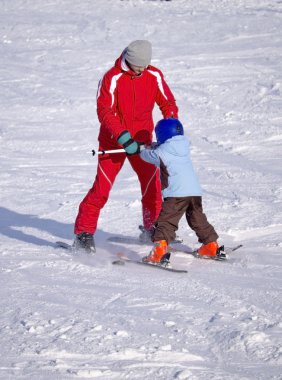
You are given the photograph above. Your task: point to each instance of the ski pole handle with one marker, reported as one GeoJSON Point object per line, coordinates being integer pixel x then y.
{"type": "Point", "coordinates": [102, 152]}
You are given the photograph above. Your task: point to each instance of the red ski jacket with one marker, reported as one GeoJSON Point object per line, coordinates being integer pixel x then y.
{"type": "Point", "coordinates": [125, 101]}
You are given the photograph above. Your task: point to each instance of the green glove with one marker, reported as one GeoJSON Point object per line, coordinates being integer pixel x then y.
{"type": "Point", "coordinates": [130, 146]}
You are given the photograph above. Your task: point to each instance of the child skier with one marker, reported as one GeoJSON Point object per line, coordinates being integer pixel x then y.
{"type": "Point", "coordinates": [181, 192]}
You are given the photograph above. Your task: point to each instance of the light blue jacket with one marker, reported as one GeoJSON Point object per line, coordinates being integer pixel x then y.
{"type": "Point", "coordinates": [176, 169]}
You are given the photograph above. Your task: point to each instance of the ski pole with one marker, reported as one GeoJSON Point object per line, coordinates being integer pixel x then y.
{"type": "Point", "coordinates": [102, 152]}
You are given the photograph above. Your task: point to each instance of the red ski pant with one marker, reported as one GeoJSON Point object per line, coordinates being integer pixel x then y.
{"type": "Point", "coordinates": [108, 168]}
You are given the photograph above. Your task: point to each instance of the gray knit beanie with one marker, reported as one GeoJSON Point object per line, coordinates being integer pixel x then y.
{"type": "Point", "coordinates": [139, 53]}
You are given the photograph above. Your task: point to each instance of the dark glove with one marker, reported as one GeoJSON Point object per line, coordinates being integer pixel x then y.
{"type": "Point", "coordinates": [130, 146]}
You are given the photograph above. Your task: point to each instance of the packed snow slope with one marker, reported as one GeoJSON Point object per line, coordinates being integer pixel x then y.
{"type": "Point", "coordinates": [76, 317]}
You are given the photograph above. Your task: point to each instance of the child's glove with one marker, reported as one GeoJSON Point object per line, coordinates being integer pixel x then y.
{"type": "Point", "coordinates": [130, 146]}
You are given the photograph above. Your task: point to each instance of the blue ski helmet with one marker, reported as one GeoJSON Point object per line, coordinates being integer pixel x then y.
{"type": "Point", "coordinates": [167, 128]}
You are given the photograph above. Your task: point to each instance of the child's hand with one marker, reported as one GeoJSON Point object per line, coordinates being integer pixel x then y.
{"type": "Point", "coordinates": [153, 145]}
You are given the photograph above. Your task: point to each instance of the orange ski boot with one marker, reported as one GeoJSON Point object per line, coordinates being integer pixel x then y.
{"type": "Point", "coordinates": [159, 254]}
{"type": "Point", "coordinates": [208, 250]}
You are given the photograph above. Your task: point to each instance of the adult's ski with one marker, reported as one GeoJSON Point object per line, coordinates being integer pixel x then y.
{"type": "Point", "coordinates": [134, 240]}
{"type": "Point", "coordinates": [62, 244]}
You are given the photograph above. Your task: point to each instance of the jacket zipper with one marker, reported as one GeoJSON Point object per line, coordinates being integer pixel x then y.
{"type": "Point", "coordinates": [133, 106]}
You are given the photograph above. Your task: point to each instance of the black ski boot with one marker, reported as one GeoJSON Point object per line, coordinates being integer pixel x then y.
{"type": "Point", "coordinates": [84, 242]}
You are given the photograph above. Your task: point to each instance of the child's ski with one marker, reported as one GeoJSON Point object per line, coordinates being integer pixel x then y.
{"type": "Point", "coordinates": [222, 254]}
{"type": "Point", "coordinates": [122, 259]}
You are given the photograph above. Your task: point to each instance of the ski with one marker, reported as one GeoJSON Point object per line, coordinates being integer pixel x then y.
{"type": "Point", "coordinates": [177, 246]}
{"type": "Point", "coordinates": [64, 245]}
{"type": "Point", "coordinates": [71, 248]}
{"type": "Point", "coordinates": [123, 259]}
{"type": "Point", "coordinates": [134, 240]}
{"type": "Point", "coordinates": [126, 240]}
{"type": "Point", "coordinates": [222, 255]}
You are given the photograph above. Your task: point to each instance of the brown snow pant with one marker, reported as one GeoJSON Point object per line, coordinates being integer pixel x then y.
{"type": "Point", "coordinates": [172, 211]}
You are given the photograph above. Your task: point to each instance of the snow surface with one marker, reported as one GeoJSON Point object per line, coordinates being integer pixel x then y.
{"type": "Point", "coordinates": [65, 317]}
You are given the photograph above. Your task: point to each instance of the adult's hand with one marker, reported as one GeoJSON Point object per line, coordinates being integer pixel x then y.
{"type": "Point", "coordinates": [130, 146]}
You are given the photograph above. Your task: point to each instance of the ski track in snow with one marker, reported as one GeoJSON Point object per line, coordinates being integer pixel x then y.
{"type": "Point", "coordinates": [67, 316]}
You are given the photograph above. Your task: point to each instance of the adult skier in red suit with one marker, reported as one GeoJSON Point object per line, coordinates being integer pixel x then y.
{"type": "Point", "coordinates": [126, 97]}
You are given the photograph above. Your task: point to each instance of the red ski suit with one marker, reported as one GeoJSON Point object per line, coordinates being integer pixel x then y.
{"type": "Point", "coordinates": [125, 101]}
